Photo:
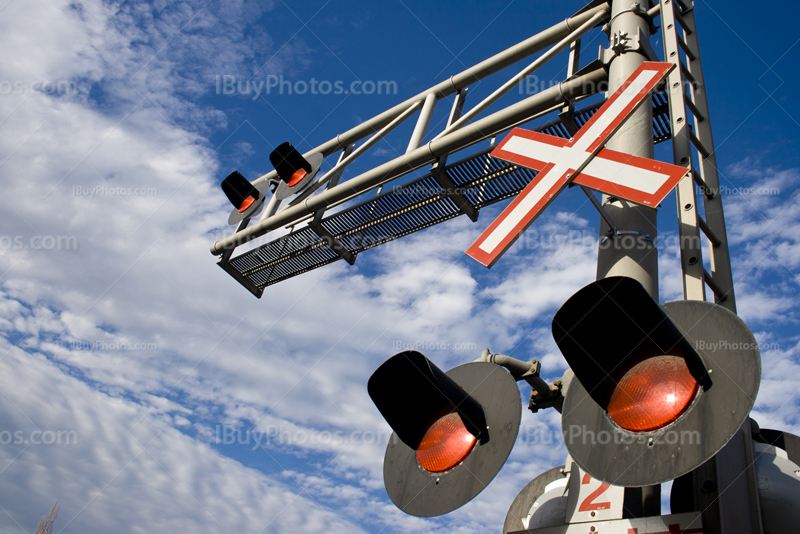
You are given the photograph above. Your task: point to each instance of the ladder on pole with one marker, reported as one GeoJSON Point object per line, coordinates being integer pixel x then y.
{"type": "Point", "coordinates": [681, 48]}
{"type": "Point", "coordinates": [728, 502]}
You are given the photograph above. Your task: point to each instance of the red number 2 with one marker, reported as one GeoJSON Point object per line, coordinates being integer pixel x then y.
{"type": "Point", "coordinates": [588, 505]}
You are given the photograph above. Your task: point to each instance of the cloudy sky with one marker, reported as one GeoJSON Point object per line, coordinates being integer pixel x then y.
{"type": "Point", "coordinates": [146, 390]}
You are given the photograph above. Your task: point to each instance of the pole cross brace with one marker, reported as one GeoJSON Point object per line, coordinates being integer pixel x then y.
{"type": "Point", "coordinates": [623, 233]}
{"type": "Point", "coordinates": [451, 190]}
{"type": "Point", "coordinates": [612, 226]}
{"type": "Point", "coordinates": [332, 242]}
{"type": "Point", "coordinates": [622, 43]}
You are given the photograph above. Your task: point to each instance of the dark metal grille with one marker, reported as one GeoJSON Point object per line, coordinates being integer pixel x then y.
{"type": "Point", "coordinates": [405, 209]}
{"type": "Point", "coordinates": [661, 125]}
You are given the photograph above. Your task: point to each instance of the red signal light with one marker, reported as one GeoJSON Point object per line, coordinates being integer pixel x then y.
{"type": "Point", "coordinates": [246, 203]}
{"type": "Point", "coordinates": [446, 443]}
{"type": "Point", "coordinates": [297, 177]}
{"type": "Point", "coordinates": [652, 394]}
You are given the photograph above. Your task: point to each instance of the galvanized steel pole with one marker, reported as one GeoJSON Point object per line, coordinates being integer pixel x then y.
{"type": "Point", "coordinates": [632, 251]}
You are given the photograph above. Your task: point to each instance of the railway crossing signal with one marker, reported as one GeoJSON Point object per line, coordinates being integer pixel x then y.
{"type": "Point", "coordinates": [295, 171]}
{"type": "Point", "coordinates": [658, 390]}
{"type": "Point", "coordinates": [452, 431]}
{"type": "Point", "coordinates": [581, 160]}
{"type": "Point", "coordinates": [647, 377]}
{"type": "Point", "coordinates": [246, 198]}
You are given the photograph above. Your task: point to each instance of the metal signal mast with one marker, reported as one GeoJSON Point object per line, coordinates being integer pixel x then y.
{"type": "Point", "coordinates": [641, 380]}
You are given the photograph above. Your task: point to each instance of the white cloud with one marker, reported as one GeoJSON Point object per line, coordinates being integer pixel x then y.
{"type": "Point", "coordinates": [127, 334]}
{"type": "Point", "coordinates": [113, 467]}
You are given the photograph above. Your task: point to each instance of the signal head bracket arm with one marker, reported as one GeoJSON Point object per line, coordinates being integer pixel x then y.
{"type": "Point", "coordinates": [543, 394]}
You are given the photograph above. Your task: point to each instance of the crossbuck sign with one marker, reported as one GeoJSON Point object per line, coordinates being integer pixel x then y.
{"type": "Point", "coordinates": [581, 160]}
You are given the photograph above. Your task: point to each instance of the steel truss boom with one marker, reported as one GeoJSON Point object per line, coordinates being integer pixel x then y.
{"type": "Point", "coordinates": [456, 83]}
{"type": "Point", "coordinates": [559, 35]}
{"type": "Point", "coordinates": [486, 128]}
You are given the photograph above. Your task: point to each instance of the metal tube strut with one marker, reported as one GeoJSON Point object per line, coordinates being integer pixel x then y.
{"type": "Point", "coordinates": [485, 68]}
{"type": "Point", "coordinates": [478, 131]}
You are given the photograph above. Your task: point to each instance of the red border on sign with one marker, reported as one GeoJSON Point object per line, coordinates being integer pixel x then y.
{"type": "Point", "coordinates": [661, 69]}
{"type": "Point", "coordinates": [525, 161]}
{"type": "Point", "coordinates": [674, 172]}
{"type": "Point", "coordinates": [489, 258]}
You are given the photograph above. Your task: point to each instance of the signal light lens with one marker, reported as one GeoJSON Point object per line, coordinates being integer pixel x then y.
{"type": "Point", "coordinates": [246, 203]}
{"type": "Point", "coordinates": [652, 394]}
{"type": "Point", "coordinates": [297, 177]}
{"type": "Point", "coordinates": [446, 443]}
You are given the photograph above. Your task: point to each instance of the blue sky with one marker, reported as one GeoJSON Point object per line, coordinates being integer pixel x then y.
{"type": "Point", "coordinates": [151, 392]}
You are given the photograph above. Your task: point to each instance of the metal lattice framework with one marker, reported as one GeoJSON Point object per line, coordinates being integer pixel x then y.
{"type": "Point", "coordinates": [414, 206]}
{"type": "Point", "coordinates": [318, 236]}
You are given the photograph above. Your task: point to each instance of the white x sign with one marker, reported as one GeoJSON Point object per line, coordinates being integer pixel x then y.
{"type": "Point", "coordinates": [582, 160]}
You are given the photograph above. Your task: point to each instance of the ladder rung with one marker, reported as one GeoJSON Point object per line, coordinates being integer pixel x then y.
{"type": "Point", "coordinates": [721, 296]}
{"type": "Point", "coordinates": [688, 51]}
{"type": "Point", "coordinates": [687, 74]}
{"type": "Point", "coordinates": [698, 145]}
{"type": "Point", "coordinates": [683, 5]}
{"type": "Point", "coordinates": [716, 241]}
{"type": "Point", "coordinates": [696, 112]}
{"type": "Point", "coordinates": [710, 193]}
{"type": "Point", "coordinates": [682, 22]}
